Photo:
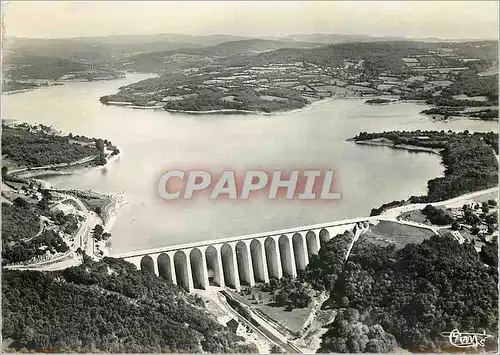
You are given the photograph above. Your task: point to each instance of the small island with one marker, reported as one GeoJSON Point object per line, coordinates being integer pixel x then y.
{"type": "Point", "coordinates": [380, 101]}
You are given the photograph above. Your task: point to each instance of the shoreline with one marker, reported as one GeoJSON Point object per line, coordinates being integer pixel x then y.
{"type": "Point", "coordinates": [441, 118]}
{"type": "Point", "coordinates": [408, 147]}
{"type": "Point", "coordinates": [110, 210]}
{"type": "Point", "coordinates": [12, 92]}
{"type": "Point", "coordinates": [62, 169]}
{"type": "Point", "coordinates": [57, 82]}
{"type": "Point", "coordinates": [19, 91]}
{"type": "Point", "coordinates": [229, 111]}
{"type": "Point", "coordinates": [110, 159]}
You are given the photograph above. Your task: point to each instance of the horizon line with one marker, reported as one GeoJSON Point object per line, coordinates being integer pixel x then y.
{"type": "Point", "coordinates": [281, 36]}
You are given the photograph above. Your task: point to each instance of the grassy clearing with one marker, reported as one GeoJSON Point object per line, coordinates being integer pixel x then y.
{"type": "Point", "coordinates": [291, 320]}
{"type": "Point", "coordinates": [386, 232]}
{"type": "Point", "coordinates": [415, 216]}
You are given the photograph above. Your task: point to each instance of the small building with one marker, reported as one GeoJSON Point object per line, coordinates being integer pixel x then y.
{"type": "Point", "coordinates": [64, 208]}
{"type": "Point", "coordinates": [233, 325]}
{"type": "Point", "coordinates": [458, 236]}
{"type": "Point", "coordinates": [483, 228]}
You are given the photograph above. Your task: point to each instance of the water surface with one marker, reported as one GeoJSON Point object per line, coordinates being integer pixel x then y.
{"type": "Point", "coordinates": [152, 141]}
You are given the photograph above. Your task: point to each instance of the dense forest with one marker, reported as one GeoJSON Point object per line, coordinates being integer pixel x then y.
{"type": "Point", "coordinates": [419, 291]}
{"type": "Point", "coordinates": [472, 84]}
{"type": "Point", "coordinates": [108, 306]}
{"type": "Point", "coordinates": [41, 67]}
{"type": "Point", "coordinates": [470, 166]}
{"type": "Point", "coordinates": [245, 99]}
{"type": "Point", "coordinates": [388, 298]}
{"type": "Point", "coordinates": [22, 236]}
{"type": "Point", "coordinates": [469, 84]}
{"type": "Point", "coordinates": [28, 147]}
{"type": "Point", "coordinates": [38, 67]}
{"type": "Point", "coordinates": [19, 222]}
{"type": "Point", "coordinates": [379, 56]}
{"type": "Point", "coordinates": [236, 53]}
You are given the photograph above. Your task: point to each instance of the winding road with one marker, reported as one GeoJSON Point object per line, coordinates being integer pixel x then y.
{"type": "Point", "coordinates": [453, 202]}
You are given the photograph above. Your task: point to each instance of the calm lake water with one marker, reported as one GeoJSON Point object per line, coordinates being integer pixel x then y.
{"type": "Point", "coordinates": [153, 141]}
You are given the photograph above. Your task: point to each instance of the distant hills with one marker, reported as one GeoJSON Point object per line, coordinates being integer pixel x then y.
{"type": "Point", "coordinates": [342, 38]}
{"type": "Point", "coordinates": [256, 45]}
{"type": "Point", "coordinates": [123, 45]}
{"type": "Point", "coordinates": [332, 38]}
{"type": "Point", "coordinates": [160, 52]}
{"type": "Point", "coordinates": [246, 47]}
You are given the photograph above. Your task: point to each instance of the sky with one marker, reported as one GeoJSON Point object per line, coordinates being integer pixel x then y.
{"type": "Point", "coordinates": [445, 19]}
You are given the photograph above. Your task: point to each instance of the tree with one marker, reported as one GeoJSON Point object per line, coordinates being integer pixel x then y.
{"type": "Point", "coordinates": [276, 349]}
{"type": "Point", "coordinates": [43, 204]}
{"type": "Point", "coordinates": [101, 160]}
{"type": "Point", "coordinates": [21, 202]}
{"type": "Point", "coordinates": [99, 144]}
{"type": "Point", "coordinates": [98, 230]}
{"type": "Point", "coordinates": [455, 225]}
{"type": "Point", "coordinates": [489, 254]}
{"type": "Point", "coordinates": [46, 194]}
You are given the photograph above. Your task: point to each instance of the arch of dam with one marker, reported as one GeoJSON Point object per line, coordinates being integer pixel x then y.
{"type": "Point", "coordinates": [231, 262]}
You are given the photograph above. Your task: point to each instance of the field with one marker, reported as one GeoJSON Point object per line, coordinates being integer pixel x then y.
{"type": "Point", "coordinates": [291, 320]}
{"type": "Point", "coordinates": [386, 232]}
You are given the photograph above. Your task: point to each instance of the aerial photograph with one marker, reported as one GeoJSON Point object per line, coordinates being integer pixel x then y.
{"type": "Point", "coordinates": [259, 177]}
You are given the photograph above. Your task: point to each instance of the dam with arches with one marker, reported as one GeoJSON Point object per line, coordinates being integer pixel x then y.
{"type": "Point", "coordinates": [243, 260]}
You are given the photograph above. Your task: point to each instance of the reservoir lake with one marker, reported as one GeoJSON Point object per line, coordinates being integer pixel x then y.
{"type": "Point", "coordinates": [152, 141]}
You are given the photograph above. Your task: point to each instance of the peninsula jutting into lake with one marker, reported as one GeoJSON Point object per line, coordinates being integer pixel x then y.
{"type": "Point", "coordinates": [278, 188]}
{"type": "Point", "coordinates": [219, 78]}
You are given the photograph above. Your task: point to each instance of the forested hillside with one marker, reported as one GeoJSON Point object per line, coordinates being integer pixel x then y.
{"type": "Point", "coordinates": [471, 84]}
{"type": "Point", "coordinates": [418, 292]}
{"type": "Point", "coordinates": [33, 146]}
{"type": "Point", "coordinates": [388, 298]}
{"type": "Point", "coordinates": [380, 56]}
{"type": "Point", "coordinates": [108, 306]}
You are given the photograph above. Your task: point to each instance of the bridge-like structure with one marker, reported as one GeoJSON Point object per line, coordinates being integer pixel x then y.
{"type": "Point", "coordinates": [244, 259]}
